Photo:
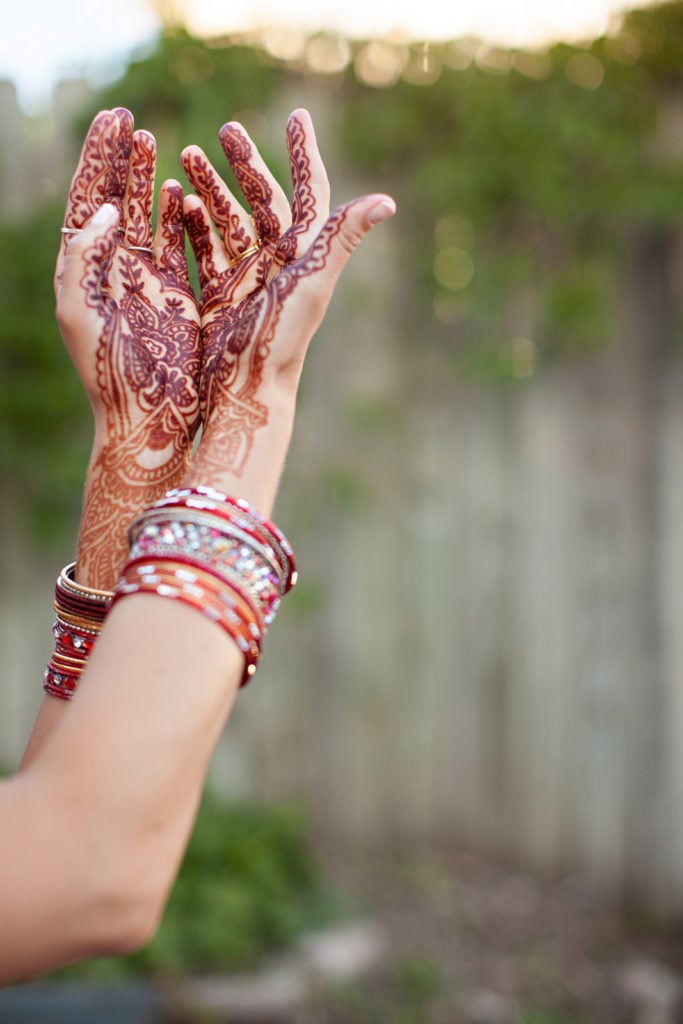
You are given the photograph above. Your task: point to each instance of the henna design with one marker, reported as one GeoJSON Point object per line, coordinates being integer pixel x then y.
{"type": "Point", "coordinates": [212, 190]}
{"type": "Point", "coordinates": [173, 234]}
{"type": "Point", "coordinates": [139, 194]}
{"type": "Point", "coordinates": [240, 308]}
{"type": "Point", "coordinates": [137, 344]}
{"type": "Point", "coordinates": [237, 342]}
{"type": "Point", "coordinates": [254, 185]}
{"type": "Point", "coordinates": [148, 365]}
{"type": "Point", "coordinates": [93, 175]}
{"type": "Point", "coordinates": [118, 170]}
{"type": "Point", "coordinates": [303, 200]}
{"type": "Point", "coordinates": [200, 239]}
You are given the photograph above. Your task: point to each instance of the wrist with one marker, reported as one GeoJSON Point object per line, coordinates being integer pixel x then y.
{"type": "Point", "coordinates": [242, 460]}
{"type": "Point", "coordinates": [117, 488]}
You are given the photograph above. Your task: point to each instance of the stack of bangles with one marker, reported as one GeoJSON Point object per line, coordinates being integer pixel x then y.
{"type": "Point", "coordinates": [217, 555]}
{"type": "Point", "coordinates": [80, 613]}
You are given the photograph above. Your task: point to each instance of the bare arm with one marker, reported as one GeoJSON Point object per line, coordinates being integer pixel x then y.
{"type": "Point", "coordinates": [142, 373]}
{"type": "Point", "coordinates": [96, 823]}
{"type": "Point", "coordinates": [94, 830]}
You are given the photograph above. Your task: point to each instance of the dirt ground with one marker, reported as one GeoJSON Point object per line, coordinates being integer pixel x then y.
{"type": "Point", "coordinates": [473, 940]}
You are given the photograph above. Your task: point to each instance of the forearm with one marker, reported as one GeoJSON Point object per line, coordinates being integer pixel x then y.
{"type": "Point", "coordinates": [116, 490]}
{"type": "Point", "coordinates": [113, 792]}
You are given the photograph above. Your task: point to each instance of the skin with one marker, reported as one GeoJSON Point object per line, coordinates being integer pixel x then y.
{"type": "Point", "coordinates": [96, 821]}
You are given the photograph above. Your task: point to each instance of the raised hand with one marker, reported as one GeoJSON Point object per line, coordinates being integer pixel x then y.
{"type": "Point", "coordinates": [266, 283]}
{"type": "Point", "coordinates": [130, 322]}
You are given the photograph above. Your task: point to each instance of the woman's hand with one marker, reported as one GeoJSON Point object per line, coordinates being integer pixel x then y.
{"type": "Point", "coordinates": [265, 283]}
{"type": "Point", "coordinates": [129, 320]}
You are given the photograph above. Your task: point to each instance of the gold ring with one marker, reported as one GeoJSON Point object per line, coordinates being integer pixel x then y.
{"type": "Point", "coordinates": [243, 255]}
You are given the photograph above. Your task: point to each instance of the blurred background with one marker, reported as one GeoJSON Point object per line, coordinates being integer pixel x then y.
{"type": "Point", "coordinates": [467, 726]}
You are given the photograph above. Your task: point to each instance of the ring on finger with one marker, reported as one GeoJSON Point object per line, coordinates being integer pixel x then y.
{"type": "Point", "coordinates": [243, 255]}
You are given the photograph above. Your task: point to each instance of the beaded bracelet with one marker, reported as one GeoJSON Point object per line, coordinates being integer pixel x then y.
{"type": "Point", "coordinates": [206, 593]}
{"type": "Point", "coordinates": [80, 612]}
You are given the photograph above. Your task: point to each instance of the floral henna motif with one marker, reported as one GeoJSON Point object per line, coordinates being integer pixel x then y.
{"type": "Point", "coordinates": [147, 376]}
{"type": "Point", "coordinates": [237, 342]}
{"type": "Point", "coordinates": [240, 308]}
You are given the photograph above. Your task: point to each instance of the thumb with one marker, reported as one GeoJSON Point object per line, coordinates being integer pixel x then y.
{"type": "Point", "coordinates": [84, 261]}
{"type": "Point", "coordinates": [342, 233]}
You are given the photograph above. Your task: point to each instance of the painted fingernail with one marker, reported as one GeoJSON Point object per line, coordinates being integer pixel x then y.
{"type": "Point", "coordinates": [387, 208]}
{"type": "Point", "coordinates": [105, 213]}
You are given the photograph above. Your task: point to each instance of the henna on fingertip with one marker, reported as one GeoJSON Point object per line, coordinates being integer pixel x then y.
{"type": "Point", "coordinates": [115, 187]}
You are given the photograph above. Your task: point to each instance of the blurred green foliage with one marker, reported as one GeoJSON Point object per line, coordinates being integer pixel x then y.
{"type": "Point", "coordinates": [249, 885]}
{"type": "Point", "coordinates": [45, 429]}
{"type": "Point", "coordinates": [524, 182]}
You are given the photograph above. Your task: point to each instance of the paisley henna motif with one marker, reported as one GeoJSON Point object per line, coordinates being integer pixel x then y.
{"type": "Point", "coordinates": [147, 373]}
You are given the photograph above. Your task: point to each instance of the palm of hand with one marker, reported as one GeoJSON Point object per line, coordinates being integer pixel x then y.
{"type": "Point", "coordinates": [147, 367]}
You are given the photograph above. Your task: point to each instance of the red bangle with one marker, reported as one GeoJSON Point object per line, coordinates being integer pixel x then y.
{"type": "Point", "coordinates": [80, 614]}
{"type": "Point", "coordinates": [236, 619]}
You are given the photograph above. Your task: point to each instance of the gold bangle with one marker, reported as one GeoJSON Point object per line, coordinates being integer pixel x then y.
{"type": "Point", "coordinates": [69, 583]}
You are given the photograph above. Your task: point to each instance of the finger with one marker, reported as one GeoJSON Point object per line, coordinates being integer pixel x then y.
{"type": "Point", "coordinates": [311, 195]}
{"type": "Point", "coordinates": [85, 268]}
{"type": "Point", "coordinates": [115, 188]}
{"type": "Point", "coordinates": [229, 216]}
{"type": "Point", "coordinates": [139, 192]}
{"type": "Point", "coordinates": [206, 246]}
{"type": "Point", "coordinates": [268, 202]}
{"type": "Point", "coordinates": [341, 235]}
{"type": "Point", "coordinates": [88, 184]}
{"type": "Point", "coordinates": [169, 240]}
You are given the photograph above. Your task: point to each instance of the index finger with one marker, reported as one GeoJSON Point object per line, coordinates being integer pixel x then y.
{"type": "Point", "coordinates": [90, 182]}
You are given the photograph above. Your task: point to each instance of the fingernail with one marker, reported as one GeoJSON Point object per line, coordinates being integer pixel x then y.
{"type": "Point", "coordinates": [387, 208]}
{"type": "Point", "coordinates": [104, 213]}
